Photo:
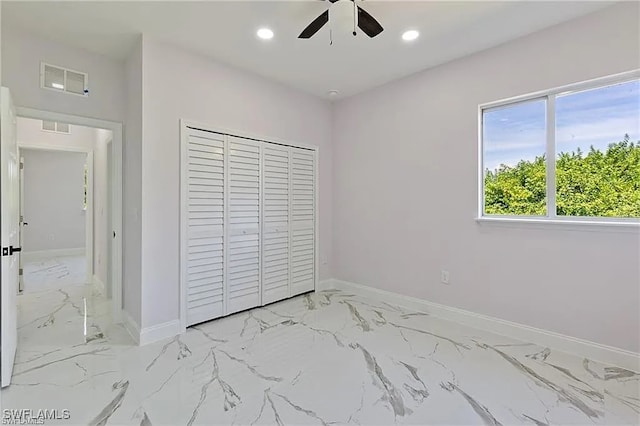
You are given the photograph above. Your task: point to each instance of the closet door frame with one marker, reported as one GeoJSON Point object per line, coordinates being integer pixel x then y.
{"type": "Point", "coordinates": [184, 166]}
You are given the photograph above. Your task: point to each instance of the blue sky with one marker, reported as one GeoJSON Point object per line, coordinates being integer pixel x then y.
{"type": "Point", "coordinates": [595, 117]}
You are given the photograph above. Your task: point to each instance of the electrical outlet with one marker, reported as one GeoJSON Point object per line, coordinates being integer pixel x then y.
{"type": "Point", "coordinates": [444, 276]}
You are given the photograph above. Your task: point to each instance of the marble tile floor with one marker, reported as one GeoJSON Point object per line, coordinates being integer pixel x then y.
{"type": "Point", "coordinates": [53, 273]}
{"type": "Point", "coordinates": [323, 358]}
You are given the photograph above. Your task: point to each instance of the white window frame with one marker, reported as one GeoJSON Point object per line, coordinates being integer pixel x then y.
{"type": "Point", "coordinates": [86, 80]}
{"type": "Point", "coordinates": [550, 96]}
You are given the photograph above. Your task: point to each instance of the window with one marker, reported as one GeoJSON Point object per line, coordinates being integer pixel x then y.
{"type": "Point", "coordinates": [55, 126]}
{"type": "Point", "coordinates": [567, 154]}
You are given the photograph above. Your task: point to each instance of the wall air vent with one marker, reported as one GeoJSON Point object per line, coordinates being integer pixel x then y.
{"type": "Point", "coordinates": [55, 126]}
{"type": "Point", "coordinates": [65, 80]}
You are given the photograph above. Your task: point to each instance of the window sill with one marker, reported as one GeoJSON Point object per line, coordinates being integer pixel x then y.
{"type": "Point", "coordinates": [570, 224]}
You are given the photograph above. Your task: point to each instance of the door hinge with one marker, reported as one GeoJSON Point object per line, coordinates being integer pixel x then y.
{"type": "Point", "coordinates": [21, 271]}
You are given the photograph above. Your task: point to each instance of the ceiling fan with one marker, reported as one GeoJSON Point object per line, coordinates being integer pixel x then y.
{"type": "Point", "coordinates": [344, 10]}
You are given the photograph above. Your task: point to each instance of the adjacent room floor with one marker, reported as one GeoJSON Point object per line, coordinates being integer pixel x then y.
{"type": "Point", "coordinates": [322, 358]}
{"type": "Point", "coordinates": [53, 273]}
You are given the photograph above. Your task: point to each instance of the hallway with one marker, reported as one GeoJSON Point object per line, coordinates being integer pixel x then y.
{"type": "Point", "coordinates": [54, 273]}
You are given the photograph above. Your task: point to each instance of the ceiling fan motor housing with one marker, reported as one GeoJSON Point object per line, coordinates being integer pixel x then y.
{"type": "Point", "coordinates": [342, 17]}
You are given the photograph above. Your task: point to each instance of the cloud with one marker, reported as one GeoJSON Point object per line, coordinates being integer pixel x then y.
{"type": "Point", "coordinates": [594, 117]}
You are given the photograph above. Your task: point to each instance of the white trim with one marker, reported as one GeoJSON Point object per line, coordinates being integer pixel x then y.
{"type": "Point", "coordinates": [116, 180]}
{"type": "Point", "coordinates": [131, 326]}
{"type": "Point", "coordinates": [182, 261]}
{"type": "Point", "coordinates": [584, 348]}
{"type": "Point", "coordinates": [88, 218]}
{"type": "Point", "coordinates": [560, 223]}
{"type": "Point", "coordinates": [97, 282]}
{"type": "Point", "coordinates": [21, 225]}
{"type": "Point", "coordinates": [316, 215]}
{"type": "Point", "coordinates": [245, 135]}
{"type": "Point", "coordinates": [160, 331]}
{"type": "Point", "coordinates": [45, 147]}
{"type": "Point", "coordinates": [34, 256]}
{"type": "Point", "coordinates": [550, 157]}
{"type": "Point", "coordinates": [568, 88]}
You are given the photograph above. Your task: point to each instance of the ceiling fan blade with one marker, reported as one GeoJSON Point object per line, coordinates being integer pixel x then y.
{"type": "Point", "coordinates": [368, 24]}
{"type": "Point", "coordinates": [315, 26]}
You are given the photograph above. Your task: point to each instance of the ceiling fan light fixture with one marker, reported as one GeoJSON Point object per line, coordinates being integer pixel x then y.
{"type": "Point", "coordinates": [410, 35]}
{"type": "Point", "coordinates": [265, 34]}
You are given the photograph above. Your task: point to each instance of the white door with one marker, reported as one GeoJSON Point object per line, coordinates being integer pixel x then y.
{"type": "Point", "coordinates": [203, 209]}
{"type": "Point", "coordinates": [9, 197]}
{"type": "Point", "coordinates": [275, 222]}
{"type": "Point", "coordinates": [302, 220]}
{"type": "Point", "coordinates": [243, 225]}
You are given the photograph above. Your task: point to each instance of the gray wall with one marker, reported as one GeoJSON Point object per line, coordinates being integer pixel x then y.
{"type": "Point", "coordinates": [220, 95]}
{"type": "Point", "coordinates": [132, 189]}
{"type": "Point", "coordinates": [53, 193]}
{"type": "Point", "coordinates": [21, 56]}
{"type": "Point", "coordinates": [405, 191]}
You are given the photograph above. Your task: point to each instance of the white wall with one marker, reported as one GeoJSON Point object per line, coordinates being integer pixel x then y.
{"type": "Point", "coordinates": [405, 191]}
{"type": "Point", "coordinates": [101, 206]}
{"type": "Point", "coordinates": [53, 198]}
{"type": "Point", "coordinates": [30, 134]}
{"type": "Point", "coordinates": [132, 189]}
{"type": "Point", "coordinates": [21, 56]}
{"type": "Point", "coordinates": [223, 96]}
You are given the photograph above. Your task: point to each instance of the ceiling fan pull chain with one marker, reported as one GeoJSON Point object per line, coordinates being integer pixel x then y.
{"type": "Point", "coordinates": [330, 37]}
{"type": "Point", "coordinates": [355, 17]}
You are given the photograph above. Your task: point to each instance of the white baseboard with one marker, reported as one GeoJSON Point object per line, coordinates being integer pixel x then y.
{"type": "Point", "coordinates": [131, 326]}
{"type": "Point", "coordinates": [159, 332]}
{"type": "Point", "coordinates": [152, 334]}
{"type": "Point", "coordinates": [584, 348]}
{"type": "Point", "coordinates": [34, 256]}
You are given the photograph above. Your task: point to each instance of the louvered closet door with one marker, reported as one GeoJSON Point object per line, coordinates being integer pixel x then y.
{"type": "Point", "coordinates": [302, 221]}
{"type": "Point", "coordinates": [243, 227]}
{"type": "Point", "coordinates": [275, 223]}
{"type": "Point", "coordinates": [205, 226]}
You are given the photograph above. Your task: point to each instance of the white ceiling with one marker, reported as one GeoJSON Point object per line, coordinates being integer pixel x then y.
{"type": "Point", "coordinates": [225, 30]}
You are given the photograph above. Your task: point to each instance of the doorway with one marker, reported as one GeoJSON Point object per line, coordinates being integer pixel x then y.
{"type": "Point", "coordinates": [65, 211]}
{"type": "Point", "coordinates": [33, 320]}
{"type": "Point", "coordinates": [56, 214]}
{"type": "Point", "coordinates": [100, 262]}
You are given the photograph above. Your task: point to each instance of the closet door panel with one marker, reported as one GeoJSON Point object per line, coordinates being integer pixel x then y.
{"type": "Point", "coordinates": [302, 261]}
{"type": "Point", "coordinates": [205, 226]}
{"type": "Point", "coordinates": [243, 225]}
{"type": "Point", "coordinates": [275, 223]}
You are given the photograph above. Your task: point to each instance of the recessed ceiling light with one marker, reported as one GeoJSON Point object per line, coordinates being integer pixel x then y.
{"type": "Point", "coordinates": [410, 35]}
{"type": "Point", "coordinates": [265, 33]}
{"type": "Point", "coordinates": [333, 93]}
{"type": "Point", "coordinates": [57, 86]}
